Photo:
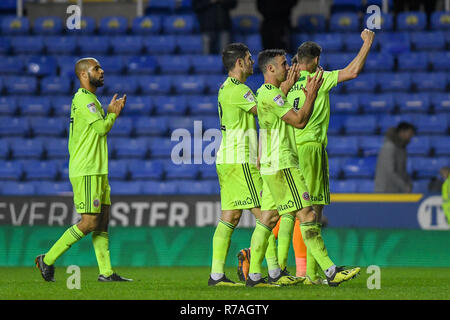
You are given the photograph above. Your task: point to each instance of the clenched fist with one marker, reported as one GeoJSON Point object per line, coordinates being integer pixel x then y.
{"type": "Point", "coordinates": [367, 35]}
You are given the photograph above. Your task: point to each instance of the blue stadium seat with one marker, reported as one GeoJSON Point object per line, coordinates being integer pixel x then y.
{"type": "Point", "coordinates": [387, 21]}
{"type": "Point", "coordinates": [27, 148]}
{"type": "Point", "coordinates": [344, 103]}
{"type": "Point", "coordinates": [343, 186]}
{"type": "Point", "coordinates": [413, 61]}
{"type": "Point", "coordinates": [180, 122]}
{"type": "Point", "coordinates": [18, 189]}
{"type": "Point", "coordinates": [334, 166]}
{"type": "Point", "coordinates": [330, 42]}
{"type": "Point", "coordinates": [441, 102]}
{"type": "Point", "coordinates": [27, 44]}
{"type": "Point", "coordinates": [34, 105]}
{"type": "Point", "coordinates": [388, 121]}
{"type": "Point", "coordinates": [419, 146]}
{"type": "Point", "coordinates": [440, 20]}
{"type": "Point", "coordinates": [41, 65]}
{"type": "Point", "coordinates": [125, 187]}
{"type": "Point", "coordinates": [366, 124]}
{"type": "Point", "coordinates": [254, 82]}
{"type": "Point", "coordinates": [61, 105]}
{"type": "Point", "coordinates": [10, 170]}
{"type": "Point", "coordinates": [202, 104]}
{"type": "Point", "coordinates": [441, 145]}
{"type": "Point", "coordinates": [420, 186]}
{"type": "Point", "coordinates": [207, 171]}
{"type": "Point", "coordinates": [342, 146]}
{"type": "Point", "coordinates": [51, 188]}
{"type": "Point", "coordinates": [4, 149]}
{"type": "Point", "coordinates": [93, 44]}
{"type": "Point", "coordinates": [8, 106]}
{"type": "Point", "coordinates": [413, 102]}
{"type": "Point", "coordinates": [158, 84]}
{"type": "Point", "coordinates": [146, 25]}
{"type": "Point", "coordinates": [245, 24]}
{"type": "Point", "coordinates": [431, 124]}
{"type": "Point", "coordinates": [206, 64]}
{"type": "Point", "coordinates": [336, 124]}
{"type": "Point", "coordinates": [126, 44]}
{"type": "Point", "coordinates": [47, 25]}
{"type": "Point", "coordinates": [45, 126]}
{"type": "Point", "coordinates": [159, 188]}
{"type": "Point", "coordinates": [365, 82]}
{"type": "Point", "coordinates": [122, 128]}
{"type": "Point", "coordinates": [379, 61]}
{"type": "Point", "coordinates": [359, 167]}
{"type": "Point", "coordinates": [88, 25]}
{"type": "Point", "coordinates": [15, 25]}
{"type": "Point", "coordinates": [213, 82]}
{"type": "Point", "coordinates": [121, 85]}
{"type": "Point", "coordinates": [433, 40]}
{"type": "Point", "coordinates": [160, 44]}
{"type": "Point", "coordinates": [131, 148]}
{"type": "Point", "coordinates": [377, 103]}
{"type": "Point", "coordinates": [344, 22]}
{"type": "Point", "coordinates": [178, 24]}
{"type": "Point", "coordinates": [161, 147]}
{"type": "Point", "coordinates": [56, 85]}
{"type": "Point", "coordinates": [141, 65]}
{"type": "Point", "coordinates": [254, 42]}
{"type": "Point", "coordinates": [138, 105]}
{"type": "Point", "coordinates": [209, 122]}
{"type": "Point", "coordinates": [430, 81]}
{"type": "Point", "coordinates": [60, 44]}
{"type": "Point", "coordinates": [335, 61]}
{"type": "Point", "coordinates": [170, 105]}
{"type": "Point", "coordinates": [193, 187]}
{"type": "Point", "coordinates": [140, 169]}
{"type": "Point", "coordinates": [174, 64]}
{"type": "Point", "coordinates": [111, 64]}
{"type": "Point", "coordinates": [311, 23]}
{"type": "Point", "coordinates": [428, 167]}
{"type": "Point", "coordinates": [413, 21]}
{"type": "Point", "coordinates": [189, 84]}
{"type": "Point", "coordinates": [365, 186]}
{"type": "Point", "coordinates": [56, 148]}
{"type": "Point", "coordinates": [189, 44]}
{"type": "Point", "coordinates": [118, 169]}
{"type": "Point", "coordinates": [394, 81]}
{"type": "Point", "coordinates": [395, 42]}
{"type": "Point", "coordinates": [14, 126]}
{"type": "Point", "coordinates": [370, 145]}
{"type": "Point", "coordinates": [11, 64]}
{"type": "Point", "coordinates": [113, 25]}
{"type": "Point", "coordinates": [345, 5]}
{"type": "Point", "coordinates": [66, 65]}
{"type": "Point", "coordinates": [440, 60]}
{"type": "Point", "coordinates": [5, 45]}
{"type": "Point", "coordinates": [162, 5]}
{"type": "Point", "coordinates": [41, 170]}
{"type": "Point", "coordinates": [150, 126]}
{"type": "Point", "coordinates": [183, 171]}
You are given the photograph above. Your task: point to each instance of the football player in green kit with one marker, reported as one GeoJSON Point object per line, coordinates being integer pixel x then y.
{"type": "Point", "coordinates": [88, 172]}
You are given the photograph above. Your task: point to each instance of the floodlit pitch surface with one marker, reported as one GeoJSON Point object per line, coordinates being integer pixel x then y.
{"type": "Point", "coordinates": [190, 283]}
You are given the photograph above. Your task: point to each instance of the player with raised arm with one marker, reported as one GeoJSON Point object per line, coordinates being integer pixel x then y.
{"type": "Point", "coordinates": [236, 163]}
{"type": "Point", "coordinates": [284, 188]}
{"type": "Point", "coordinates": [88, 172]}
{"type": "Point", "coordinates": [312, 140]}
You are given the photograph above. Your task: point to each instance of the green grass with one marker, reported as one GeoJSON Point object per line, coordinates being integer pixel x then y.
{"type": "Point", "coordinates": [190, 283]}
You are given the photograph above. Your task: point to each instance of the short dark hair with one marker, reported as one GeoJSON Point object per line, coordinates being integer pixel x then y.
{"type": "Point", "coordinates": [266, 56]}
{"type": "Point", "coordinates": [402, 126]}
{"type": "Point", "coordinates": [307, 51]}
{"type": "Point", "coordinates": [231, 53]}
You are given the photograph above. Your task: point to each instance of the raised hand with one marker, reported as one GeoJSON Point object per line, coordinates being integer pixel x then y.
{"type": "Point", "coordinates": [313, 83]}
{"type": "Point", "coordinates": [116, 105]}
{"type": "Point", "coordinates": [367, 35]}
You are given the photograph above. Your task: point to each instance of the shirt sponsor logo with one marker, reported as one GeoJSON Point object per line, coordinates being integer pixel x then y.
{"type": "Point", "coordinates": [279, 100]}
{"type": "Point", "coordinates": [91, 107]}
{"type": "Point", "coordinates": [249, 97]}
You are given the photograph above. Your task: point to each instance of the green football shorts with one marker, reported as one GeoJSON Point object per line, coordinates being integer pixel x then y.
{"type": "Point", "coordinates": [313, 160]}
{"type": "Point", "coordinates": [90, 192]}
{"type": "Point", "coordinates": [240, 186]}
{"type": "Point", "coordinates": [285, 191]}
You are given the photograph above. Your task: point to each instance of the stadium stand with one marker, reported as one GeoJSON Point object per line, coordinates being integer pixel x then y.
{"type": "Point", "coordinates": [157, 60]}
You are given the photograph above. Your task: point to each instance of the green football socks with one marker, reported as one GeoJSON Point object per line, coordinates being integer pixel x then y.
{"type": "Point", "coordinates": [221, 244]}
{"type": "Point", "coordinates": [259, 245]}
{"type": "Point", "coordinates": [284, 238]}
{"type": "Point", "coordinates": [69, 237]}
{"type": "Point", "coordinates": [315, 245]}
{"type": "Point", "coordinates": [100, 240]}
{"type": "Point", "coordinates": [271, 254]}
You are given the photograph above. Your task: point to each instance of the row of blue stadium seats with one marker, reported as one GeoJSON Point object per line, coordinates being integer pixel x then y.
{"type": "Point", "coordinates": [37, 65]}
{"type": "Point", "coordinates": [187, 23]}
{"type": "Point", "coordinates": [144, 146]}
{"type": "Point", "coordinates": [88, 45]}
{"type": "Point", "coordinates": [348, 168]}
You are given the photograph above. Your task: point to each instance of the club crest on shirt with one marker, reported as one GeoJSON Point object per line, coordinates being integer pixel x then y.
{"type": "Point", "coordinates": [279, 100]}
{"type": "Point", "coordinates": [249, 96]}
{"type": "Point", "coordinates": [306, 196]}
{"type": "Point", "coordinates": [91, 107]}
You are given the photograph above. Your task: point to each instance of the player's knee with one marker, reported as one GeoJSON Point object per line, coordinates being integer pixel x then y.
{"type": "Point", "coordinates": [307, 215]}
{"type": "Point", "coordinates": [269, 218]}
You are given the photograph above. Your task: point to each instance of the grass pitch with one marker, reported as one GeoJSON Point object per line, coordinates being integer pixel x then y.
{"type": "Point", "coordinates": [190, 283]}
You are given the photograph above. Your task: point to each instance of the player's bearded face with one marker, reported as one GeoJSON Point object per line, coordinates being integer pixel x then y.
{"type": "Point", "coordinates": [248, 63]}
{"type": "Point", "coordinates": [96, 80]}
